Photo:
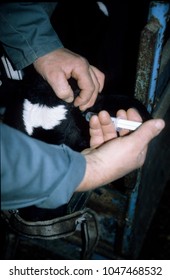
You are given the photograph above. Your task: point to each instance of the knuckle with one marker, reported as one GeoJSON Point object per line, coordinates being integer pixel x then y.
{"type": "Point", "coordinates": [82, 62]}
{"type": "Point", "coordinates": [51, 76]}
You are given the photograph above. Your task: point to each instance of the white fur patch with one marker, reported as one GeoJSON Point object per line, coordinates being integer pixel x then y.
{"type": "Point", "coordinates": [36, 115]}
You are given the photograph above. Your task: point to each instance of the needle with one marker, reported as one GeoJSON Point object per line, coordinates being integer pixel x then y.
{"type": "Point", "coordinates": [119, 123]}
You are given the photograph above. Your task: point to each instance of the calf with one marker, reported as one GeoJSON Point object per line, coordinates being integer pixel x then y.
{"type": "Point", "coordinates": [37, 111]}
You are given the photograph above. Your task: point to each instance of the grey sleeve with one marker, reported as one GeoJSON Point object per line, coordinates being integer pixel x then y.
{"type": "Point", "coordinates": [26, 32]}
{"type": "Point", "coordinates": [36, 173]}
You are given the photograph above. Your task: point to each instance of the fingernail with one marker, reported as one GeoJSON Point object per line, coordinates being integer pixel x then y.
{"type": "Point", "coordinates": [159, 124]}
{"type": "Point", "coordinates": [69, 100]}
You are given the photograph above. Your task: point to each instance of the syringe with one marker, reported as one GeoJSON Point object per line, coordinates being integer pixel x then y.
{"type": "Point", "coordinates": [119, 123]}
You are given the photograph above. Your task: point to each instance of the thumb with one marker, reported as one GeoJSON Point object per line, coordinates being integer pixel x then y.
{"type": "Point", "coordinates": [142, 137]}
{"type": "Point", "coordinates": [149, 130]}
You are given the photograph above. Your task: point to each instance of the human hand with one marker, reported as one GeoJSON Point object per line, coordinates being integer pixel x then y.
{"type": "Point", "coordinates": [112, 157]}
{"type": "Point", "coordinates": [60, 65]}
{"type": "Point", "coordinates": [102, 128]}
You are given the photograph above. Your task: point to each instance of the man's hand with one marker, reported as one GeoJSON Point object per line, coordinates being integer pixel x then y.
{"type": "Point", "coordinates": [102, 128]}
{"type": "Point", "coordinates": [111, 157]}
{"type": "Point", "coordinates": [60, 65]}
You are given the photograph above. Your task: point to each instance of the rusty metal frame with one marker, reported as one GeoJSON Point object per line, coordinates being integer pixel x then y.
{"type": "Point", "coordinates": [152, 39]}
{"type": "Point", "coordinates": [149, 59]}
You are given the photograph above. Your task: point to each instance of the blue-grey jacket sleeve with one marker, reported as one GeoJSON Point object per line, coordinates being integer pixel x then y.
{"type": "Point", "coordinates": [26, 32]}
{"type": "Point", "coordinates": [36, 173]}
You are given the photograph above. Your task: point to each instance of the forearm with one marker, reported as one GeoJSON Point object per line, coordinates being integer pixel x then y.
{"type": "Point", "coordinates": [29, 38]}
{"type": "Point", "coordinates": [35, 173]}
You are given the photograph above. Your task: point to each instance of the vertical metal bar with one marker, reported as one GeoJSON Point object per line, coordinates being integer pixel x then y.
{"type": "Point", "coordinates": [129, 219]}
{"type": "Point", "coordinates": [145, 61]}
{"type": "Point", "coordinates": [158, 11]}
{"type": "Point", "coordinates": [150, 53]}
{"type": "Point", "coordinates": [147, 74]}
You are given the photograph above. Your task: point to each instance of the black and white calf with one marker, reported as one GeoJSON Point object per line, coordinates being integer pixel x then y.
{"type": "Point", "coordinates": [36, 110]}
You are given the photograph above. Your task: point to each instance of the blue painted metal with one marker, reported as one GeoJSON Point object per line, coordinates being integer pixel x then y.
{"type": "Point", "coordinates": [130, 214]}
{"type": "Point", "coordinates": [159, 11]}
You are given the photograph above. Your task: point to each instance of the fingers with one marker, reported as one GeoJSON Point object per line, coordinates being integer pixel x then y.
{"type": "Point", "coordinates": [90, 81]}
{"type": "Point", "coordinates": [101, 129]}
{"type": "Point", "coordinates": [96, 133]}
{"type": "Point", "coordinates": [99, 76]}
{"type": "Point", "coordinates": [60, 65]}
{"type": "Point", "coordinates": [61, 87]}
{"type": "Point", "coordinates": [131, 114]}
{"type": "Point", "coordinates": [108, 127]}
